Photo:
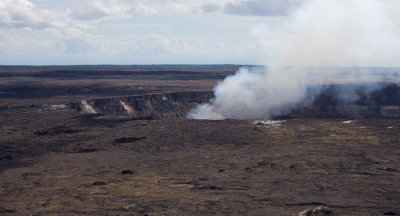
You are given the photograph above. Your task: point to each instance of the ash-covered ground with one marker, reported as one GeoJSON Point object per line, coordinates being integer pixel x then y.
{"type": "Point", "coordinates": [115, 141]}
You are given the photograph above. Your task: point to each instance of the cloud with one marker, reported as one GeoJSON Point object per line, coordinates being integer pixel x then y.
{"type": "Point", "coordinates": [99, 9]}
{"type": "Point", "coordinates": [15, 44]}
{"type": "Point", "coordinates": [178, 28]}
{"type": "Point", "coordinates": [262, 8]}
{"type": "Point", "coordinates": [24, 14]}
{"type": "Point", "coordinates": [120, 30]}
{"type": "Point", "coordinates": [86, 13]}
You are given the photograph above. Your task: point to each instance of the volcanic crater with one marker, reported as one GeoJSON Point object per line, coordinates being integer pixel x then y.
{"type": "Point", "coordinates": [381, 102]}
{"type": "Point", "coordinates": [121, 144]}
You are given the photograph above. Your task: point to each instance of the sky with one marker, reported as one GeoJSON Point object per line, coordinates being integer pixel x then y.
{"type": "Point", "coordinates": [53, 32]}
{"type": "Point", "coordinates": [63, 32]}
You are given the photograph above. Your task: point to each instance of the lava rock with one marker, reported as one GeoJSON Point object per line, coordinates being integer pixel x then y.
{"type": "Point", "coordinates": [99, 183]}
{"type": "Point", "coordinates": [57, 131]}
{"type": "Point", "coordinates": [318, 211]}
{"type": "Point", "coordinates": [8, 157]}
{"type": "Point", "coordinates": [7, 211]}
{"type": "Point", "coordinates": [45, 205]}
{"type": "Point", "coordinates": [388, 169]}
{"type": "Point", "coordinates": [130, 206]}
{"type": "Point", "coordinates": [263, 164]}
{"type": "Point", "coordinates": [128, 172]}
{"type": "Point", "coordinates": [209, 187]}
{"type": "Point", "coordinates": [30, 174]}
{"type": "Point", "coordinates": [129, 139]}
{"type": "Point", "coordinates": [248, 169]}
{"type": "Point", "coordinates": [87, 150]}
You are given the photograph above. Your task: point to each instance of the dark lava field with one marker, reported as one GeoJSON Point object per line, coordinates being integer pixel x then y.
{"type": "Point", "coordinates": [114, 140]}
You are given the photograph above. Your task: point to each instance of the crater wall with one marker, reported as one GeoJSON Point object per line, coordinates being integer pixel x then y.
{"type": "Point", "coordinates": [382, 102]}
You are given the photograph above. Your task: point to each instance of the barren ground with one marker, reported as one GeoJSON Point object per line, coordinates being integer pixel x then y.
{"type": "Point", "coordinates": [62, 162]}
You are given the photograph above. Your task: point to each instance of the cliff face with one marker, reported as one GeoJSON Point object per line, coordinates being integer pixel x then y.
{"type": "Point", "coordinates": [156, 106]}
{"type": "Point", "coordinates": [383, 102]}
{"type": "Point", "coordinates": [362, 102]}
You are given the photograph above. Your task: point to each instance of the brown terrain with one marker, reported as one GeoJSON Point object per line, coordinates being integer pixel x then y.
{"type": "Point", "coordinates": [114, 140]}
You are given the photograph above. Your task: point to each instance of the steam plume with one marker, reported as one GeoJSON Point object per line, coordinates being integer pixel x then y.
{"type": "Point", "coordinates": [311, 47]}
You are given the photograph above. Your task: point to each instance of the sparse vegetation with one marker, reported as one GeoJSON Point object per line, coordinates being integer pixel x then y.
{"type": "Point", "coordinates": [62, 162]}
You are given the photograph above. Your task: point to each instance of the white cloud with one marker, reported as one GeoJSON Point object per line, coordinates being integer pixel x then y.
{"type": "Point", "coordinates": [262, 7]}
{"type": "Point", "coordinates": [24, 14]}
{"type": "Point", "coordinates": [83, 13]}
{"type": "Point", "coordinates": [119, 29]}
{"type": "Point", "coordinates": [103, 31]}
{"type": "Point", "coordinates": [15, 44]}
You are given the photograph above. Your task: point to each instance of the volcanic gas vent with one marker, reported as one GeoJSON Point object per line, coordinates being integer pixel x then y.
{"type": "Point", "coordinates": [155, 106]}
{"type": "Point", "coordinates": [354, 101]}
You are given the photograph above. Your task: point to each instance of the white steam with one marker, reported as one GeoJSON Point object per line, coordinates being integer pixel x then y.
{"type": "Point", "coordinates": [309, 48]}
